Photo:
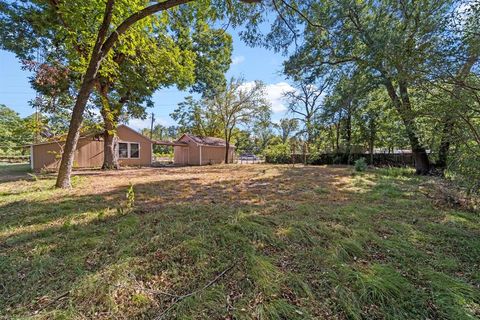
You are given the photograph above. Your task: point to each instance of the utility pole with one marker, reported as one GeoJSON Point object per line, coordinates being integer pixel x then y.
{"type": "Point", "coordinates": [36, 132]}
{"type": "Point", "coordinates": [151, 126]}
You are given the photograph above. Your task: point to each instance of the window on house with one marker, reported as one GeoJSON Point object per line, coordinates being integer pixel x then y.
{"type": "Point", "coordinates": [134, 150]}
{"type": "Point", "coordinates": [123, 150]}
{"type": "Point", "coordinates": [128, 150]}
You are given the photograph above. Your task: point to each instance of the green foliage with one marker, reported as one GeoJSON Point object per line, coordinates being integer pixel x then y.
{"type": "Point", "coordinates": [360, 165]}
{"type": "Point", "coordinates": [464, 167]}
{"type": "Point", "coordinates": [287, 127]}
{"type": "Point", "coordinates": [280, 153]}
{"type": "Point", "coordinates": [130, 197]}
{"type": "Point", "coordinates": [193, 117]}
{"type": "Point", "coordinates": [129, 202]}
{"type": "Point", "coordinates": [14, 132]}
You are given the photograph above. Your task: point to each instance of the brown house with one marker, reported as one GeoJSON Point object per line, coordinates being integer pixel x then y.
{"type": "Point", "coordinates": [195, 150]}
{"type": "Point", "coordinates": [134, 149]}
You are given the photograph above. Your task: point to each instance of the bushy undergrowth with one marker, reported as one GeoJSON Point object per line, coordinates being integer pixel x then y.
{"type": "Point", "coordinates": [360, 165]}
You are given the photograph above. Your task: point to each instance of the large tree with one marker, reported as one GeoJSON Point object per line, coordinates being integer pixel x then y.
{"type": "Point", "coordinates": [193, 55]}
{"type": "Point", "coordinates": [112, 22]}
{"type": "Point", "coordinates": [193, 117]}
{"type": "Point", "coordinates": [396, 42]}
{"type": "Point", "coordinates": [13, 131]}
{"type": "Point", "coordinates": [305, 104]}
{"type": "Point", "coordinates": [455, 83]}
{"type": "Point", "coordinates": [237, 104]}
{"type": "Point", "coordinates": [287, 128]}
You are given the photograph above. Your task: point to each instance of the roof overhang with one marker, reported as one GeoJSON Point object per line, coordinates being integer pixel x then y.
{"type": "Point", "coordinates": [171, 143]}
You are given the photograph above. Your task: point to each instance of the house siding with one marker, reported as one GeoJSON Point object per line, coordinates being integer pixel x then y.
{"type": "Point", "coordinates": [89, 152]}
{"type": "Point", "coordinates": [180, 155]}
{"type": "Point", "coordinates": [209, 154]}
{"type": "Point", "coordinates": [215, 155]}
{"type": "Point", "coordinates": [125, 134]}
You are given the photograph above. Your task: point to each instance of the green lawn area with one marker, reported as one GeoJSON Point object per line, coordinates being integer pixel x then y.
{"type": "Point", "coordinates": [236, 242]}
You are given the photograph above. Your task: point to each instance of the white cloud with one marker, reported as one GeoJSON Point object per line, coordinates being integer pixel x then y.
{"type": "Point", "coordinates": [139, 124]}
{"type": "Point", "coordinates": [237, 60]}
{"type": "Point", "coordinates": [275, 96]}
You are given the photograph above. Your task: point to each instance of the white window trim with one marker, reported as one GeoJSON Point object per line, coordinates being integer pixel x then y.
{"type": "Point", "coordinates": [128, 149]}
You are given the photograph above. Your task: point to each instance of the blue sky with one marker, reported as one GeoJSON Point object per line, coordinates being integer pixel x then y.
{"type": "Point", "coordinates": [250, 63]}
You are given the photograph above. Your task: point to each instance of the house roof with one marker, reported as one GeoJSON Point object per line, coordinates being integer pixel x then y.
{"type": "Point", "coordinates": [63, 138]}
{"type": "Point", "coordinates": [89, 134]}
{"type": "Point", "coordinates": [206, 141]}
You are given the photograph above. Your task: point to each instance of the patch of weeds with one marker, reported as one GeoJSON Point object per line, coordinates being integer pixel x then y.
{"type": "Point", "coordinates": [321, 190]}
{"type": "Point", "coordinates": [453, 299]}
{"type": "Point", "coordinates": [77, 181]}
{"type": "Point", "coordinates": [280, 309]}
{"type": "Point", "coordinates": [206, 304]}
{"type": "Point", "coordinates": [298, 286]}
{"type": "Point", "coordinates": [385, 189]}
{"type": "Point", "coordinates": [33, 176]}
{"type": "Point", "coordinates": [255, 229]}
{"type": "Point", "coordinates": [127, 226]}
{"type": "Point", "coordinates": [140, 299]}
{"type": "Point", "coordinates": [375, 292]}
{"type": "Point", "coordinates": [129, 202]}
{"type": "Point", "coordinates": [396, 172]}
{"type": "Point", "coordinates": [349, 250]}
{"type": "Point", "coordinates": [266, 276]}
{"type": "Point", "coordinates": [67, 223]}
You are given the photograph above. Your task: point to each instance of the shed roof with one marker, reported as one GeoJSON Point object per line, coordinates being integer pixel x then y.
{"type": "Point", "coordinates": [170, 143]}
{"type": "Point", "coordinates": [206, 141]}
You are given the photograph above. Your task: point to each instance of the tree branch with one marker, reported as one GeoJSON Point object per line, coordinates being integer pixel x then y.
{"type": "Point", "coordinates": [137, 16]}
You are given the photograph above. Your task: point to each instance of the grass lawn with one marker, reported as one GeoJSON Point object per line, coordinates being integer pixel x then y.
{"type": "Point", "coordinates": [235, 242]}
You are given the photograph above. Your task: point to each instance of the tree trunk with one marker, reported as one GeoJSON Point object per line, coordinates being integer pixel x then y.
{"type": "Point", "coordinates": [448, 120]}
{"type": "Point", "coordinates": [110, 156]}
{"type": "Point", "coordinates": [349, 135]}
{"type": "Point", "coordinates": [110, 117]}
{"type": "Point", "coordinates": [65, 169]}
{"type": "Point", "coordinates": [101, 48]}
{"type": "Point", "coordinates": [370, 149]}
{"type": "Point", "coordinates": [444, 148]}
{"type": "Point", "coordinates": [371, 137]}
{"type": "Point", "coordinates": [337, 137]}
{"type": "Point", "coordinates": [227, 148]}
{"type": "Point", "coordinates": [422, 162]}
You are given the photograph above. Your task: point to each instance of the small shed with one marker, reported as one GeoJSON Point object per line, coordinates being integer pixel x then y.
{"type": "Point", "coordinates": [196, 150]}
{"type": "Point", "coordinates": [134, 149]}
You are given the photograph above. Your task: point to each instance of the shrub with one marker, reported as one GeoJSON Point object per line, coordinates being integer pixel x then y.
{"type": "Point", "coordinates": [279, 153]}
{"type": "Point", "coordinates": [360, 165]}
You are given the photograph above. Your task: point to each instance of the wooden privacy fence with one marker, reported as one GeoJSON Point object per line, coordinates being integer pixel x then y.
{"type": "Point", "coordinates": [379, 159]}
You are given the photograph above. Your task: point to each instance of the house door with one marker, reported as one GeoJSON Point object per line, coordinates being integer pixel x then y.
{"type": "Point", "coordinates": [185, 155]}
